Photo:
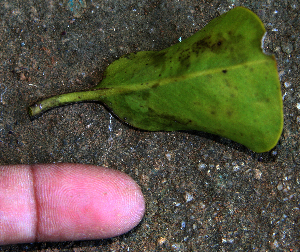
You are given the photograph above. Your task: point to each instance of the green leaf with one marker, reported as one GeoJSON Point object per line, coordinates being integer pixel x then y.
{"type": "Point", "coordinates": [218, 81]}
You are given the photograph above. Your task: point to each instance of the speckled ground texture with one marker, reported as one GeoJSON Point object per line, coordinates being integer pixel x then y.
{"type": "Point", "coordinates": [203, 192]}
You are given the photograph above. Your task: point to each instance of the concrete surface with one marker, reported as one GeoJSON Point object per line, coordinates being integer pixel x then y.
{"type": "Point", "coordinates": [203, 192]}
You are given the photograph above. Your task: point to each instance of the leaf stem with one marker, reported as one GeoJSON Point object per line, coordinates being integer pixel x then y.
{"type": "Point", "coordinates": [60, 100]}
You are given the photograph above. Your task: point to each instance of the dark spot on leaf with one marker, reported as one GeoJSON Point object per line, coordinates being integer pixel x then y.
{"type": "Point", "coordinates": [145, 95]}
{"type": "Point", "coordinates": [158, 58]}
{"type": "Point", "coordinates": [201, 45]}
{"type": "Point", "coordinates": [229, 113]}
{"type": "Point", "coordinates": [155, 85]}
{"type": "Point", "coordinates": [216, 47]}
{"type": "Point", "coordinates": [184, 59]}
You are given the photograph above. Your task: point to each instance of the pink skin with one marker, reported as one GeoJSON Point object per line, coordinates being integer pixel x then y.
{"type": "Point", "coordinates": [60, 202]}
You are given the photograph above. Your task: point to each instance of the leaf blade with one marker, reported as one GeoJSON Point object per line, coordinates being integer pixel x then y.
{"type": "Point", "coordinates": [184, 87]}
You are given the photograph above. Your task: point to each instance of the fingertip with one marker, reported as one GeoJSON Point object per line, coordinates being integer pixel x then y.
{"type": "Point", "coordinates": [128, 202]}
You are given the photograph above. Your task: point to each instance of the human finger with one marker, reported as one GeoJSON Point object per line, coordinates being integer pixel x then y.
{"type": "Point", "coordinates": [61, 202]}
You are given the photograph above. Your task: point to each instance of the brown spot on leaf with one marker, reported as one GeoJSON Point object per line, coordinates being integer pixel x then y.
{"type": "Point", "coordinates": [155, 85]}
